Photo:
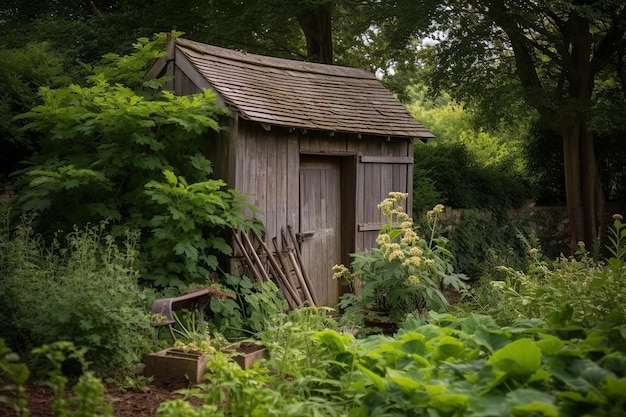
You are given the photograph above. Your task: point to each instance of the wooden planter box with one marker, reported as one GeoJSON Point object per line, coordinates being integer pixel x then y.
{"type": "Point", "coordinates": [175, 365]}
{"type": "Point", "coordinates": [246, 353]}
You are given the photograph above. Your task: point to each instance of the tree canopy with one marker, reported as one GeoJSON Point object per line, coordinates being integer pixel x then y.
{"type": "Point", "coordinates": [565, 58]}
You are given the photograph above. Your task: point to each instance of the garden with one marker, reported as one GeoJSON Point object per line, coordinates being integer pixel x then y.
{"type": "Point", "coordinates": [548, 340]}
{"type": "Point", "coordinates": [445, 317]}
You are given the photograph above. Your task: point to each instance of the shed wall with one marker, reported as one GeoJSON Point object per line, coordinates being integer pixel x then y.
{"type": "Point", "coordinates": [266, 164]}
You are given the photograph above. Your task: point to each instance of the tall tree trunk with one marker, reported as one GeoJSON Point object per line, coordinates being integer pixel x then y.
{"type": "Point", "coordinates": [585, 198]}
{"type": "Point", "coordinates": [317, 28]}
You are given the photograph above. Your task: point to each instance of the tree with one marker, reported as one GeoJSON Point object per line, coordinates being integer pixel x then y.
{"type": "Point", "coordinates": [553, 54]}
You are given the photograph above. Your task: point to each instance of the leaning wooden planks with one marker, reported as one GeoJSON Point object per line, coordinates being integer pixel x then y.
{"type": "Point", "coordinates": [283, 267]}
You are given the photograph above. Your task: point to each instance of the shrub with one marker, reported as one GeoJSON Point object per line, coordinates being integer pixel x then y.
{"type": "Point", "coordinates": [405, 273]}
{"type": "Point", "coordinates": [465, 183]}
{"type": "Point", "coordinates": [478, 239]}
{"type": "Point", "coordinates": [120, 135]}
{"type": "Point", "coordinates": [82, 289]}
{"type": "Point", "coordinates": [565, 292]}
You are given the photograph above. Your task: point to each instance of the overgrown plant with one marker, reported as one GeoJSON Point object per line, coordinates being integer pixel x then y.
{"type": "Point", "coordinates": [186, 239]}
{"type": "Point", "coordinates": [13, 376]}
{"type": "Point", "coordinates": [448, 366]}
{"type": "Point", "coordinates": [254, 306]}
{"type": "Point", "coordinates": [405, 273]}
{"type": "Point", "coordinates": [82, 287]}
{"type": "Point", "coordinates": [617, 248]}
{"type": "Point", "coordinates": [109, 142]}
{"type": "Point", "coordinates": [566, 292]}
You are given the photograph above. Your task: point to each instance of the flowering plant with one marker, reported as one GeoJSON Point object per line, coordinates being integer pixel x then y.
{"type": "Point", "coordinates": [405, 273]}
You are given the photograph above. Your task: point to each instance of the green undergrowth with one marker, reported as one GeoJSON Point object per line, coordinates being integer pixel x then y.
{"type": "Point", "coordinates": [449, 366]}
{"type": "Point", "coordinates": [81, 288]}
{"type": "Point", "coordinates": [577, 291]}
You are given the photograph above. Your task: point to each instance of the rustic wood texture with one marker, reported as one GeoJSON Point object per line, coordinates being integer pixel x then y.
{"type": "Point", "coordinates": [320, 224]}
{"type": "Point", "coordinates": [304, 95]}
{"type": "Point", "coordinates": [287, 120]}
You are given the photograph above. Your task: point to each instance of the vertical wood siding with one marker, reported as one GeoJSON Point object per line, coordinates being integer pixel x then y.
{"type": "Point", "coordinates": [266, 165]}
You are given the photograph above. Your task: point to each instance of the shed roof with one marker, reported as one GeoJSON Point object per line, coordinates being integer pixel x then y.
{"type": "Point", "coordinates": [304, 95]}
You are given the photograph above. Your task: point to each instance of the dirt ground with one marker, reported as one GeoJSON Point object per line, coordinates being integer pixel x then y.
{"type": "Point", "coordinates": [142, 403]}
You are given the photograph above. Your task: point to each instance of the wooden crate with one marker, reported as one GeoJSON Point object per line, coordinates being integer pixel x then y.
{"type": "Point", "coordinates": [174, 365]}
{"type": "Point", "coordinates": [246, 353]}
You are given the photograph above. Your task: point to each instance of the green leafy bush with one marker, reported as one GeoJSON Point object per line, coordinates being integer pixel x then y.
{"type": "Point", "coordinates": [83, 289]}
{"type": "Point", "coordinates": [13, 376]}
{"type": "Point", "coordinates": [405, 273]}
{"type": "Point", "coordinates": [22, 72]}
{"type": "Point", "coordinates": [461, 367]}
{"type": "Point", "coordinates": [464, 182]}
{"type": "Point", "coordinates": [89, 398]}
{"type": "Point", "coordinates": [478, 239]}
{"type": "Point", "coordinates": [577, 292]}
{"type": "Point", "coordinates": [109, 143]}
{"type": "Point", "coordinates": [185, 240]}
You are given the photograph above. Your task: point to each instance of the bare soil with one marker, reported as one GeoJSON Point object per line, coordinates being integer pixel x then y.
{"type": "Point", "coordinates": [142, 403]}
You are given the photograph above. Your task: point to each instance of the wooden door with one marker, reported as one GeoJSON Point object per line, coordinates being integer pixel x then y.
{"type": "Point", "coordinates": [320, 224]}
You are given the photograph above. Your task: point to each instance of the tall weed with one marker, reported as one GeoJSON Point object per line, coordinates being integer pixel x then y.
{"type": "Point", "coordinates": [566, 292]}
{"type": "Point", "coordinates": [80, 288]}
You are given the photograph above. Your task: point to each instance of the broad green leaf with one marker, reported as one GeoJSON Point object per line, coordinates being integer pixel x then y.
{"type": "Point", "coordinates": [549, 344]}
{"type": "Point", "coordinates": [376, 379]}
{"type": "Point", "coordinates": [449, 403]}
{"type": "Point", "coordinates": [447, 347]}
{"type": "Point", "coordinates": [530, 402]}
{"type": "Point", "coordinates": [491, 340]}
{"type": "Point", "coordinates": [334, 341]}
{"type": "Point", "coordinates": [615, 388]}
{"type": "Point", "coordinates": [170, 177]}
{"type": "Point", "coordinates": [520, 358]}
{"type": "Point", "coordinates": [221, 245]}
{"type": "Point", "coordinates": [404, 382]}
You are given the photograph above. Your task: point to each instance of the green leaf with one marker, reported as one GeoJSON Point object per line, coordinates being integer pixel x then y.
{"type": "Point", "coordinates": [525, 402]}
{"type": "Point", "coordinates": [334, 341]}
{"type": "Point", "coordinates": [221, 245]}
{"type": "Point", "coordinates": [447, 347]}
{"type": "Point", "coordinates": [615, 388]}
{"type": "Point", "coordinates": [549, 344]}
{"type": "Point", "coordinates": [188, 249]}
{"type": "Point", "coordinates": [170, 177]}
{"type": "Point", "coordinates": [520, 358]}
{"type": "Point", "coordinates": [449, 403]}
{"type": "Point", "coordinates": [405, 383]}
{"type": "Point", "coordinates": [376, 379]}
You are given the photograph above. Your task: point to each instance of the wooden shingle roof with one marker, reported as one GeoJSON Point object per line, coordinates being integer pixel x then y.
{"type": "Point", "coordinates": [301, 95]}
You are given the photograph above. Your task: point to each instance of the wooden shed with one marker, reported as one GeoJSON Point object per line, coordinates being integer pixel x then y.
{"type": "Point", "coordinates": [316, 146]}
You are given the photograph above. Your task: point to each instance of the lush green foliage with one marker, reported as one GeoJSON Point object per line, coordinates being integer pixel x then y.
{"type": "Point", "coordinates": [254, 305]}
{"type": "Point", "coordinates": [13, 377]}
{"type": "Point", "coordinates": [81, 288]}
{"type": "Point", "coordinates": [447, 367]}
{"type": "Point", "coordinates": [479, 239]}
{"type": "Point", "coordinates": [565, 292]}
{"type": "Point", "coordinates": [405, 273]}
{"type": "Point", "coordinates": [452, 123]}
{"type": "Point", "coordinates": [123, 138]}
{"type": "Point", "coordinates": [449, 173]}
{"type": "Point", "coordinates": [184, 243]}
{"type": "Point", "coordinates": [463, 182]}
{"type": "Point", "coordinates": [22, 72]}
{"type": "Point", "coordinates": [88, 399]}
